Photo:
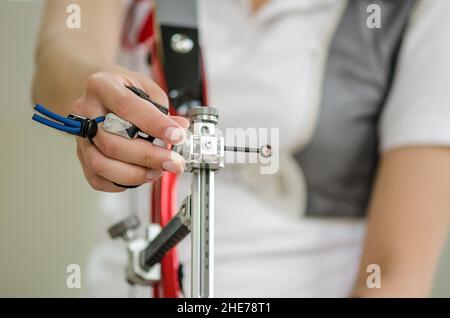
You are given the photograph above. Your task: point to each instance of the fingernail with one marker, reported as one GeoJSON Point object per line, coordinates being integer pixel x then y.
{"type": "Point", "coordinates": [175, 164]}
{"type": "Point", "coordinates": [171, 166]}
{"type": "Point", "coordinates": [152, 174]}
{"type": "Point", "coordinates": [175, 135]}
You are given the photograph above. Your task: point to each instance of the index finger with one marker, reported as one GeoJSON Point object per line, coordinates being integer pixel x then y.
{"type": "Point", "coordinates": [112, 94]}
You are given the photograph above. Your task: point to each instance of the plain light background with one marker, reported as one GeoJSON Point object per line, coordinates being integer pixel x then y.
{"type": "Point", "coordinates": [47, 209]}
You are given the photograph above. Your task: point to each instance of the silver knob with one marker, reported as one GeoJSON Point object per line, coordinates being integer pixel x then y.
{"type": "Point", "coordinates": [181, 43]}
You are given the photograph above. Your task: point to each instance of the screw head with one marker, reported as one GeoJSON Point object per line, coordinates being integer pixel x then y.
{"type": "Point", "coordinates": [174, 93]}
{"type": "Point", "coordinates": [181, 43]}
{"type": "Point", "coordinates": [208, 144]}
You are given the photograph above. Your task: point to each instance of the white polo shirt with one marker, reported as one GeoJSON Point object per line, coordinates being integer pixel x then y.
{"type": "Point", "coordinates": [265, 70]}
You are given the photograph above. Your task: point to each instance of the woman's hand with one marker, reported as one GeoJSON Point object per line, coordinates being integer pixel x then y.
{"type": "Point", "coordinates": [73, 63]}
{"type": "Point", "coordinates": [116, 159]}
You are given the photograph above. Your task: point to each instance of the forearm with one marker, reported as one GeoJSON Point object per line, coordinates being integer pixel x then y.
{"type": "Point", "coordinates": [408, 222]}
{"type": "Point", "coordinates": [59, 77]}
{"type": "Point", "coordinates": [66, 57]}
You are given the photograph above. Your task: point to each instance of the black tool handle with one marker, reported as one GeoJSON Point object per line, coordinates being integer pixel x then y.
{"type": "Point", "coordinates": [173, 233]}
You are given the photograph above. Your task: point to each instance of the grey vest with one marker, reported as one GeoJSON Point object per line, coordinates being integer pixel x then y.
{"type": "Point", "coordinates": [340, 162]}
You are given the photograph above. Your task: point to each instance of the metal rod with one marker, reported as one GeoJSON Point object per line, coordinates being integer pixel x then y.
{"type": "Point", "coordinates": [241, 149]}
{"type": "Point", "coordinates": [202, 226]}
{"type": "Point", "coordinates": [265, 150]}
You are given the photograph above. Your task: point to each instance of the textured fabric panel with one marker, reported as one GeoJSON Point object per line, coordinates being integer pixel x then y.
{"type": "Point", "coordinates": [340, 162]}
